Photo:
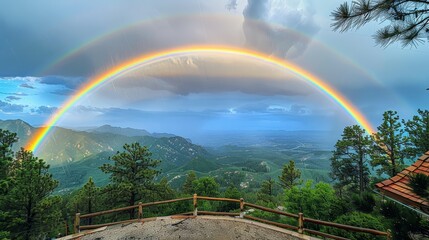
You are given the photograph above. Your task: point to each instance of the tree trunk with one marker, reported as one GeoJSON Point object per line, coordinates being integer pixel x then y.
{"type": "Point", "coordinates": [29, 220]}
{"type": "Point", "coordinates": [361, 180]}
{"type": "Point", "coordinates": [392, 156]}
{"type": "Point", "coordinates": [131, 202]}
{"type": "Point", "coordinates": [90, 211]}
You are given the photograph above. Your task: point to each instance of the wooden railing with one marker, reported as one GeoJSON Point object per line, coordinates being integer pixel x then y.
{"type": "Point", "coordinates": [300, 217]}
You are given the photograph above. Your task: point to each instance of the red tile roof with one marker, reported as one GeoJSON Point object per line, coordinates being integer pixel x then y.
{"type": "Point", "coordinates": [397, 186]}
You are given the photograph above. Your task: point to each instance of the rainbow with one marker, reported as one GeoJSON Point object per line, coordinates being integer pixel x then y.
{"type": "Point", "coordinates": [146, 59]}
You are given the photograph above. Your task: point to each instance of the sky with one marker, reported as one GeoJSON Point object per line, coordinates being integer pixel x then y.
{"type": "Point", "coordinates": [48, 49]}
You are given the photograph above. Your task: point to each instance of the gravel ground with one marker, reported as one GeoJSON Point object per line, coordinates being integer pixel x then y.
{"type": "Point", "coordinates": [202, 227]}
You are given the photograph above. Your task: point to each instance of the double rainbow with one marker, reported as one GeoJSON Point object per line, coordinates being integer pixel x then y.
{"type": "Point", "coordinates": [145, 59]}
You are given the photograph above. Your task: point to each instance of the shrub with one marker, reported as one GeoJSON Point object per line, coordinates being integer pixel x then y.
{"type": "Point", "coordinates": [389, 209]}
{"type": "Point", "coordinates": [365, 202]}
{"type": "Point", "coordinates": [403, 220]}
{"type": "Point", "coordinates": [357, 219]}
{"type": "Point", "coordinates": [420, 183]}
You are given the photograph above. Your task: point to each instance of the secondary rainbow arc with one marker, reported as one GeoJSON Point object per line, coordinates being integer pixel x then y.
{"type": "Point", "coordinates": [137, 62]}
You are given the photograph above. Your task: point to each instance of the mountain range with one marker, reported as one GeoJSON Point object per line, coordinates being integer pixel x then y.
{"type": "Point", "coordinates": [242, 160]}
{"type": "Point", "coordinates": [64, 146]}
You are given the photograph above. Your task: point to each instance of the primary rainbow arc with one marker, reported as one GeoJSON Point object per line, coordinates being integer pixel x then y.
{"type": "Point", "coordinates": [137, 62]}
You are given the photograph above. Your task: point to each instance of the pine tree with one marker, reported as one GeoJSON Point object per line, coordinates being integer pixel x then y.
{"type": "Point", "coordinates": [31, 212]}
{"type": "Point", "coordinates": [87, 198]}
{"type": "Point", "coordinates": [267, 187]}
{"type": "Point", "coordinates": [418, 132]}
{"type": "Point", "coordinates": [267, 191]}
{"type": "Point", "coordinates": [188, 186]}
{"type": "Point", "coordinates": [290, 176]}
{"type": "Point", "coordinates": [7, 139]}
{"type": "Point", "coordinates": [407, 20]}
{"type": "Point", "coordinates": [348, 162]}
{"type": "Point", "coordinates": [132, 174]}
{"type": "Point", "coordinates": [391, 146]}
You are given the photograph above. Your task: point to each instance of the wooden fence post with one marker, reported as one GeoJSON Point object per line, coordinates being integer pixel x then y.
{"type": "Point", "coordinates": [66, 224]}
{"type": "Point", "coordinates": [77, 223]}
{"type": "Point", "coordinates": [389, 234]}
{"type": "Point", "coordinates": [301, 223]}
{"type": "Point", "coordinates": [140, 214]}
{"type": "Point", "coordinates": [195, 205]}
{"type": "Point", "coordinates": [241, 207]}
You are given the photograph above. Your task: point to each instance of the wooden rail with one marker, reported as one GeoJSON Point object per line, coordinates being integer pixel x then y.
{"type": "Point", "coordinates": [346, 227]}
{"type": "Point", "coordinates": [300, 217]}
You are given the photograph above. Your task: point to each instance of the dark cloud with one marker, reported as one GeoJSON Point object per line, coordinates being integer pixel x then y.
{"type": "Point", "coordinates": [12, 98]}
{"type": "Point", "coordinates": [34, 38]}
{"type": "Point", "coordinates": [26, 85]}
{"type": "Point", "coordinates": [286, 40]}
{"type": "Point", "coordinates": [160, 35]}
{"type": "Point", "coordinates": [44, 110]}
{"type": "Point", "coordinates": [6, 107]}
{"type": "Point", "coordinates": [68, 82]}
{"type": "Point", "coordinates": [184, 85]}
{"type": "Point", "coordinates": [256, 9]}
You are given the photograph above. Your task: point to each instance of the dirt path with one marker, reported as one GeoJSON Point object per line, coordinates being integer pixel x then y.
{"type": "Point", "coordinates": [201, 227]}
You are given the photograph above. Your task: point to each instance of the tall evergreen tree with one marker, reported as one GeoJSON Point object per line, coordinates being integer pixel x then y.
{"type": "Point", "coordinates": [87, 198]}
{"type": "Point", "coordinates": [7, 139]}
{"type": "Point", "coordinates": [418, 132]}
{"type": "Point", "coordinates": [31, 212]}
{"type": "Point", "coordinates": [391, 146]}
{"type": "Point", "coordinates": [267, 191]}
{"type": "Point", "coordinates": [348, 162]}
{"type": "Point", "coordinates": [290, 176]}
{"type": "Point", "coordinates": [188, 186]}
{"type": "Point", "coordinates": [267, 187]}
{"type": "Point", "coordinates": [132, 173]}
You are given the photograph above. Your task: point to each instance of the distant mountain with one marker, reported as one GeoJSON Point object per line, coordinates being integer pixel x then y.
{"type": "Point", "coordinates": [21, 128]}
{"type": "Point", "coordinates": [64, 146]}
{"type": "Point", "coordinates": [130, 132]}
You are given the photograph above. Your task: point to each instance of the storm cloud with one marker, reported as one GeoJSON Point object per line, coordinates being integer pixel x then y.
{"type": "Point", "coordinates": [67, 82]}
{"type": "Point", "coordinates": [6, 107]}
{"type": "Point", "coordinates": [34, 35]}
{"type": "Point", "coordinates": [289, 38]}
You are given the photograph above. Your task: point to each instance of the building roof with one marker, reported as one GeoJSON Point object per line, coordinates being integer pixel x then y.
{"type": "Point", "coordinates": [398, 188]}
